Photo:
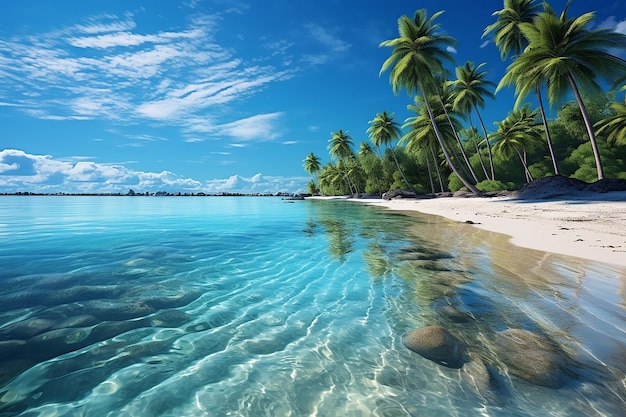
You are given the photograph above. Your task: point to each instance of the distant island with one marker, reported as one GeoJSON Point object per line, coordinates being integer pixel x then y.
{"type": "Point", "coordinates": [132, 193]}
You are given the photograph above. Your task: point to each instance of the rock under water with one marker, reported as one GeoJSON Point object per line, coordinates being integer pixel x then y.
{"type": "Point", "coordinates": [436, 344]}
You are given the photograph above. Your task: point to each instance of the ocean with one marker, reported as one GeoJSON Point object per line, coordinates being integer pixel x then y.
{"type": "Point", "coordinates": [255, 306]}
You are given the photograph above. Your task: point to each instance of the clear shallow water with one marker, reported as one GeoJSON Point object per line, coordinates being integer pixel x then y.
{"type": "Point", "coordinates": [117, 306]}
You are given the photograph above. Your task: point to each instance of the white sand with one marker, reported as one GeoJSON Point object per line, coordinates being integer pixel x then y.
{"type": "Point", "coordinates": [590, 226]}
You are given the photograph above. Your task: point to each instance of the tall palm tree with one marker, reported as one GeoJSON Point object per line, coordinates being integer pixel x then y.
{"type": "Point", "coordinates": [421, 136]}
{"type": "Point", "coordinates": [510, 39]}
{"type": "Point", "coordinates": [340, 148]}
{"type": "Point", "coordinates": [383, 131]}
{"type": "Point", "coordinates": [472, 134]}
{"type": "Point", "coordinates": [470, 90]}
{"type": "Point", "coordinates": [445, 96]}
{"type": "Point", "coordinates": [564, 54]}
{"type": "Point", "coordinates": [518, 134]}
{"type": "Point", "coordinates": [415, 62]}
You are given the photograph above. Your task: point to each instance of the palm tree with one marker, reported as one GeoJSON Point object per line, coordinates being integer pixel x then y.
{"type": "Point", "coordinates": [365, 149]}
{"type": "Point", "coordinates": [312, 165]}
{"type": "Point", "coordinates": [471, 88]}
{"type": "Point", "coordinates": [421, 135]}
{"type": "Point", "coordinates": [471, 133]}
{"type": "Point", "coordinates": [445, 96]}
{"type": "Point", "coordinates": [508, 36]}
{"type": "Point", "coordinates": [510, 40]}
{"type": "Point", "coordinates": [383, 131]}
{"type": "Point", "coordinates": [415, 62]}
{"type": "Point", "coordinates": [340, 148]}
{"type": "Point", "coordinates": [340, 145]}
{"type": "Point", "coordinates": [614, 126]}
{"type": "Point", "coordinates": [518, 134]}
{"type": "Point", "coordinates": [564, 54]}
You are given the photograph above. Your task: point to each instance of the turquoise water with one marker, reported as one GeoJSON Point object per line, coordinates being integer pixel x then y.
{"type": "Point", "coordinates": [251, 306]}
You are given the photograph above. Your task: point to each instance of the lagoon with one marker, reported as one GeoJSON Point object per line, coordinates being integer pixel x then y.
{"type": "Point", "coordinates": [252, 306]}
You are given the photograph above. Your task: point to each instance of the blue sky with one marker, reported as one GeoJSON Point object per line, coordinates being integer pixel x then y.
{"type": "Point", "coordinates": [215, 95]}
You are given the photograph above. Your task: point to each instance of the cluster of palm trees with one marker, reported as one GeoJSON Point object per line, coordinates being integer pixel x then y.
{"type": "Point", "coordinates": [549, 53]}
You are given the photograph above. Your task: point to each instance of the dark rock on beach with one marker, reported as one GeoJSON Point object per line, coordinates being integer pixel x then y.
{"type": "Point", "coordinates": [558, 186]}
{"type": "Point", "coordinates": [436, 344]}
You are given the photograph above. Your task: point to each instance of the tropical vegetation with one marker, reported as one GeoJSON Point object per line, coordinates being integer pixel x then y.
{"type": "Point", "coordinates": [438, 148]}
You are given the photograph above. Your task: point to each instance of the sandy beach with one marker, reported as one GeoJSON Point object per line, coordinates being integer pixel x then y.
{"type": "Point", "coordinates": [586, 225]}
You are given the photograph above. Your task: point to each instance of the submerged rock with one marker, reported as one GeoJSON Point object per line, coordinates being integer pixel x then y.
{"type": "Point", "coordinates": [478, 378]}
{"type": "Point", "coordinates": [532, 357]}
{"type": "Point", "coordinates": [436, 344]}
{"type": "Point", "coordinates": [455, 315]}
{"type": "Point", "coordinates": [26, 328]}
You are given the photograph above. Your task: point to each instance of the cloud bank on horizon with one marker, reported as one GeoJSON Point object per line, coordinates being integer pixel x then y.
{"type": "Point", "coordinates": [23, 172]}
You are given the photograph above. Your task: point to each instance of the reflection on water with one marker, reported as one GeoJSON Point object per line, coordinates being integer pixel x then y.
{"type": "Point", "coordinates": [255, 307]}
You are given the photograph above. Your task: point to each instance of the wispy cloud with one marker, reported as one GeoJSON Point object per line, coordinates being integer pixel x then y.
{"type": "Point", "coordinates": [612, 23]}
{"type": "Point", "coordinates": [105, 68]}
{"type": "Point", "coordinates": [260, 127]}
{"type": "Point", "coordinates": [327, 37]}
{"type": "Point", "coordinates": [21, 172]}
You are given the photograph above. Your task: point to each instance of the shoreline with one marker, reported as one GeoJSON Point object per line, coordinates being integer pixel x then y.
{"type": "Point", "coordinates": [591, 226]}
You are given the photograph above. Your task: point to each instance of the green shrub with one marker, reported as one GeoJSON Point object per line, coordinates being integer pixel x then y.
{"type": "Point", "coordinates": [489, 185]}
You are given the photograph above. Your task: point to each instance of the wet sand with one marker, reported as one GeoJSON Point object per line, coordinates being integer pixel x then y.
{"type": "Point", "coordinates": [587, 225]}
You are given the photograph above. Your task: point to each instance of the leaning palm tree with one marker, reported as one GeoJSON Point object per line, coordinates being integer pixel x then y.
{"type": "Point", "coordinates": [421, 136]}
{"type": "Point", "coordinates": [564, 54]}
{"type": "Point", "coordinates": [445, 102]}
{"type": "Point", "coordinates": [518, 133]}
{"type": "Point", "coordinates": [509, 38]}
{"type": "Point", "coordinates": [415, 62]}
{"type": "Point", "coordinates": [472, 135]}
{"type": "Point", "coordinates": [614, 126]}
{"type": "Point", "coordinates": [383, 131]}
{"type": "Point", "coordinates": [470, 90]}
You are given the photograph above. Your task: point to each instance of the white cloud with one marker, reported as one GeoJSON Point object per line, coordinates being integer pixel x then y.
{"type": "Point", "coordinates": [263, 127]}
{"type": "Point", "coordinates": [111, 23]}
{"type": "Point", "coordinates": [107, 69]}
{"type": "Point", "coordinates": [327, 38]}
{"type": "Point", "coordinates": [24, 172]}
{"type": "Point", "coordinates": [612, 23]}
{"type": "Point", "coordinates": [111, 40]}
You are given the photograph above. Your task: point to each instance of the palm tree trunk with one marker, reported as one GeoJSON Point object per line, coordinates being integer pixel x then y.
{"type": "Point", "coordinates": [592, 136]}
{"type": "Point", "coordinates": [432, 151]}
{"type": "Point", "coordinates": [529, 176]}
{"type": "Point", "coordinates": [482, 124]}
{"type": "Point", "coordinates": [480, 156]}
{"type": "Point", "coordinates": [430, 174]}
{"type": "Point", "coordinates": [465, 182]}
{"type": "Point", "coordinates": [400, 169]}
{"type": "Point", "coordinates": [458, 140]}
{"type": "Point", "coordinates": [548, 137]}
